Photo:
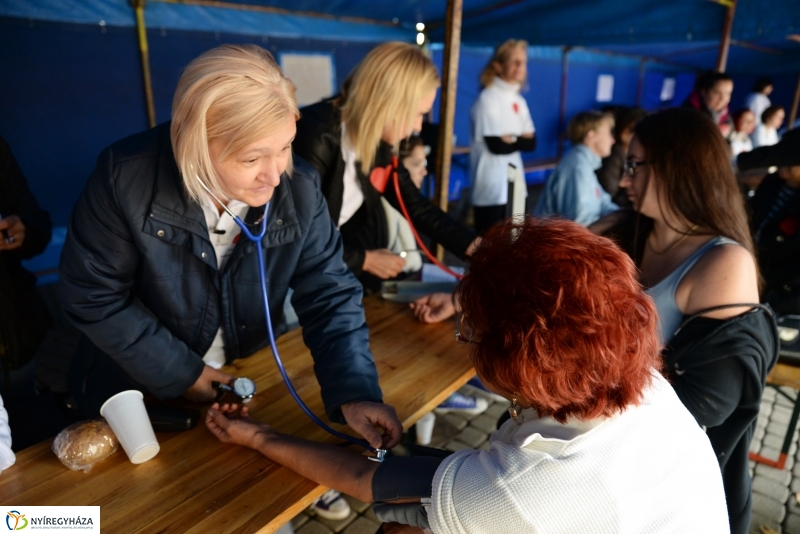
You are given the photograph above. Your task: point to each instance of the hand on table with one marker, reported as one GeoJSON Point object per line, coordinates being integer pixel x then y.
{"type": "Point", "coordinates": [202, 390]}
{"type": "Point", "coordinates": [230, 424]}
{"type": "Point", "coordinates": [383, 263]}
{"type": "Point", "coordinates": [433, 308]}
{"type": "Point", "coordinates": [15, 229]}
{"type": "Point", "coordinates": [376, 422]}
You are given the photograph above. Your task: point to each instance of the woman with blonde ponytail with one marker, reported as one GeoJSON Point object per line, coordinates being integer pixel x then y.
{"type": "Point", "coordinates": [351, 140]}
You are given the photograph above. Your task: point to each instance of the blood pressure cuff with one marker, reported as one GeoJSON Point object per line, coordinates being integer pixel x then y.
{"type": "Point", "coordinates": [404, 477]}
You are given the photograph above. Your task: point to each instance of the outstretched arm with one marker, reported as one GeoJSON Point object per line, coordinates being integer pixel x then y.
{"type": "Point", "coordinates": [330, 466]}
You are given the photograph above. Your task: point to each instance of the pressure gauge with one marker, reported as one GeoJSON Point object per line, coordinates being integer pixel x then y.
{"type": "Point", "coordinates": [242, 387]}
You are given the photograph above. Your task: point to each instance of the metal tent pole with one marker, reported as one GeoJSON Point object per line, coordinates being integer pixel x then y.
{"type": "Point", "coordinates": [138, 6]}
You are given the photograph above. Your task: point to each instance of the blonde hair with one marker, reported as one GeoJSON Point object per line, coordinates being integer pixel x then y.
{"type": "Point", "coordinates": [234, 93]}
{"type": "Point", "coordinates": [387, 85]}
{"type": "Point", "coordinates": [495, 65]}
{"type": "Point", "coordinates": [584, 122]}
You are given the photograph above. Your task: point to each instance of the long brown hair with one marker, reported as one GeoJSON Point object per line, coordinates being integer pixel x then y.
{"type": "Point", "coordinates": [686, 150]}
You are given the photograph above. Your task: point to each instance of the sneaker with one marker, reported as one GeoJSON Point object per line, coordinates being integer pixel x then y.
{"type": "Point", "coordinates": [331, 506]}
{"type": "Point", "coordinates": [462, 404]}
{"type": "Point", "coordinates": [475, 384]}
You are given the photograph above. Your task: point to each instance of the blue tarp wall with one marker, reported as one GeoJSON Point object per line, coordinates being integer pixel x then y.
{"type": "Point", "coordinates": [72, 79]}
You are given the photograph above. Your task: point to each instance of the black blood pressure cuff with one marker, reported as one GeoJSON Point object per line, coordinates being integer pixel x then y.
{"type": "Point", "coordinates": [403, 477]}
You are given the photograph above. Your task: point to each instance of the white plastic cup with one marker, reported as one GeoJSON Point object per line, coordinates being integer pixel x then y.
{"type": "Point", "coordinates": [425, 428]}
{"type": "Point", "coordinates": [127, 417]}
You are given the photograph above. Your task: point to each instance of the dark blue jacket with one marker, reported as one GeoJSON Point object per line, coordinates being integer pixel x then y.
{"type": "Point", "coordinates": [139, 277]}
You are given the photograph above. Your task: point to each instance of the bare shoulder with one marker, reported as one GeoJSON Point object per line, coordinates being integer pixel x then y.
{"type": "Point", "coordinates": [726, 274]}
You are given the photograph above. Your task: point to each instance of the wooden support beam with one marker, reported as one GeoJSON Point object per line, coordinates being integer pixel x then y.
{"type": "Point", "coordinates": [144, 50]}
{"type": "Point", "coordinates": [725, 42]}
{"type": "Point", "coordinates": [795, 104]}
{"type": "Point", "coordinates": [447, 107]}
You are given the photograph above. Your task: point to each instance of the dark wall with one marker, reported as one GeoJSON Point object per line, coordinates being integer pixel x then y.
{"type": "Point", "coordinates": [70, 90]}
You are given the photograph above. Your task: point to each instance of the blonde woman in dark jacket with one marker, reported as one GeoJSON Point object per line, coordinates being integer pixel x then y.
{"type": "Point", "coordinates": [353, 140]}
{"type": "Point", "coordinates": [153, 271]}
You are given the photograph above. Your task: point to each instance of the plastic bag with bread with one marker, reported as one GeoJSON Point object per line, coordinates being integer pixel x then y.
{"type": "Point", "coordinates": [83, 444]}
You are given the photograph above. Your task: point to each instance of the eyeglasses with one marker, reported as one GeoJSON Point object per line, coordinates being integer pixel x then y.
{"type": "Point", "coordinates": [629, 167]}
{"type": "Point", "coordinates": [464, 332]}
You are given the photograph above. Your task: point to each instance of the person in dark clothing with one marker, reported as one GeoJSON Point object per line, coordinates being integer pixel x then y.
{"type": "Point", "coordinates": [155, 276]}
{"type": "Point", "coordinates": [776, 221]}
{"type": "Point", "coordinates": [609, 175]}
{"type": "Point", "coordinates": [711, 95]}
{"type": "Point", "coordinates": [25, 231]}
{"type": "Point", "coordinates": [352, 140]}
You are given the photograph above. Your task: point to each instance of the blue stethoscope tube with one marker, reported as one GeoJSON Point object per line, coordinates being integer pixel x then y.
{"type": "Point", "coordinates": [256, 238]}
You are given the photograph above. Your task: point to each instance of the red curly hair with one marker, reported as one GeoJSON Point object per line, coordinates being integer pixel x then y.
{"type": "Point", "coordinates": [562, 320]}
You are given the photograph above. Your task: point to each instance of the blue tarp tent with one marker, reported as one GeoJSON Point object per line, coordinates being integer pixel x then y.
{"type": "Point", "coordinates": [72, 80]}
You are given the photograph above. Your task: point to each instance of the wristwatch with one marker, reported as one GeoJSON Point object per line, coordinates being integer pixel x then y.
{"type": "Point", "coordinates": [242, 387]}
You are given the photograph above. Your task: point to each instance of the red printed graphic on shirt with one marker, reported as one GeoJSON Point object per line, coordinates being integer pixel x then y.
{"type": "Point", "coordinates": [516, 107]}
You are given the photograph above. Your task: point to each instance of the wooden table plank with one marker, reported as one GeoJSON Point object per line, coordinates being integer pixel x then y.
{"type": "Point", "coordinates": [199, 485]}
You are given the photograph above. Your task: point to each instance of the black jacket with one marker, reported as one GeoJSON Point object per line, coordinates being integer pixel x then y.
{"type": "Point", "coordinates": [139, 277]}
{"type": "Point", "coordinates": [23, 316]}
{"type": "Point", "coordinates": [719, 370]}
{"type": "Point", "coordinates": [318, 141]}
{"type": "Point", "coordinates": [778, 243]}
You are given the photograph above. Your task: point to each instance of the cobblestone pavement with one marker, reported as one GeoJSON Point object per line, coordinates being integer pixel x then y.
{"type": "Point", "coordinates": [774, 502]}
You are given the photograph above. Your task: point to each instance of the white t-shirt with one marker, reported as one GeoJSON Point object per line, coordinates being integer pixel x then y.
{"type": "Point", "coordinates": [757, 103]}
{"type": "Point", "coordinates": [500, 110]}
{"type": "Point", "coordinates": [223, 247]}
{"type": "Point", "coordinates": [740, 142]}
{"type": "Point", "coordinates": [765, 136]}
{"type": "Point", "coordinates": [650, 469]}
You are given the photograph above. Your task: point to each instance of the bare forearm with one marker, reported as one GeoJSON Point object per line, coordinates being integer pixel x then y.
{"type": "Point", "coordinates": [330, 466]}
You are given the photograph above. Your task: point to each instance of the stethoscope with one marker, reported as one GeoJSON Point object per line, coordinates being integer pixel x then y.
{"type": "Point", "coordinates": [256, 239]}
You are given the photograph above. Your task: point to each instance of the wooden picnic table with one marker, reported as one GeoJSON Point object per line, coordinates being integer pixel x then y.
{"type": "Point", "coordinates": [198, 485]}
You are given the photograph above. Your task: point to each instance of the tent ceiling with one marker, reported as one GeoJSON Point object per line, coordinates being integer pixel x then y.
{"type": "Point", "coordinates": [679, 31]}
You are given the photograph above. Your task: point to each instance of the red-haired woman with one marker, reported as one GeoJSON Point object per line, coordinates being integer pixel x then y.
{"type": "Point", "coordinates": [598, 441]}
{"type": "Point", "coordinates": [690, 239]}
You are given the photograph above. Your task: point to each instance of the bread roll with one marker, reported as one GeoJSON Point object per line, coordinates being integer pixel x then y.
{"type": "Point", "coordinates": [81, 445]}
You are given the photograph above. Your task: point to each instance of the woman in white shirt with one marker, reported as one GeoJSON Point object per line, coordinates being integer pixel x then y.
{"type": "Point", "coordinates": [766, 133]}
{"type": "Point", "coordinates": [501, 128]}
{"type": "Point", "coordinates": [556, 321]}
{"type": "Point", "coordinates": [758, 100]}
{"type": "Point", "coordinates": [744, 124]}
